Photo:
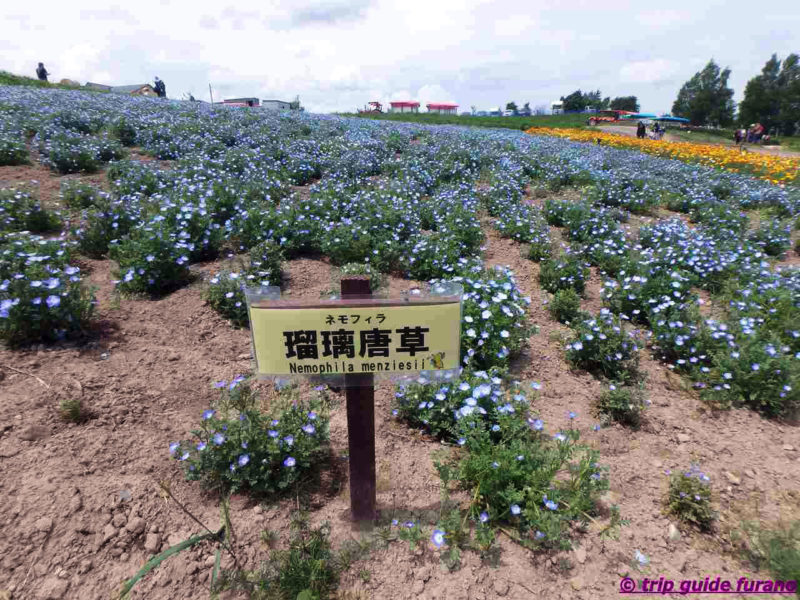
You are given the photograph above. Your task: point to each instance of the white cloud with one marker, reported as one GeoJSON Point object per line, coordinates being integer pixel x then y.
{"type": "Point", "coordinates": [648, 71]}
{"type": "Point", "coordinates": [339, 54]}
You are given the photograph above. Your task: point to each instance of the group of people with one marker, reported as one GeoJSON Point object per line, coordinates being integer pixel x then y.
{"type": "Point", "coordinates": [752, 135]}
{"type": "Point", "coordinates": [657, 131]}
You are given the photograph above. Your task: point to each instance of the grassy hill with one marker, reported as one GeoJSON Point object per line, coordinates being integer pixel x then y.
{"type": "Point", "coordinates": [571, 121]}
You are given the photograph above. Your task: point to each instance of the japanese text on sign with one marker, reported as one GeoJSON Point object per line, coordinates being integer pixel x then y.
{"type": "Point", "coordinates": [399, 338]}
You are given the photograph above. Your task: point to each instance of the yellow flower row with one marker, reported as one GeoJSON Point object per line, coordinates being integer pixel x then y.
{"type": "Point", "coordinates": [777, 169]}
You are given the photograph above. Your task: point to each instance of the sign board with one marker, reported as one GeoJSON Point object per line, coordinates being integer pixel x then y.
{"type": "Point", "coordinates": [356, 336]}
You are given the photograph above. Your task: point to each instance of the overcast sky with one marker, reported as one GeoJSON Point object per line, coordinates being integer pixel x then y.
{"type": "Point", "coordinates": [339, 54]}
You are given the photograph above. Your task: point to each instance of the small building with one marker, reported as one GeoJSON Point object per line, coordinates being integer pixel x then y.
{"type": "Point", "coordinates": [442, 108]}
{"type": "Point", "coordinates": [276, 105]}
{"type": "Point", "coordinates": [252, 102]}
{"type": "Point", "coordinates": [137, 89]}
{"type": "Point", "coordinates": [557, 107]}
{"type": "Point", "coordinates": [404, 107]}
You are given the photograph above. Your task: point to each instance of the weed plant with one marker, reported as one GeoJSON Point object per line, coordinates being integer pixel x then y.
{"type": "Point", "coordinates": [689, 498]}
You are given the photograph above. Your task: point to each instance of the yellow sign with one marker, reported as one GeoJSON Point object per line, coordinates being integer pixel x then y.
{"type": "Point", "coordinates": [356, 336]}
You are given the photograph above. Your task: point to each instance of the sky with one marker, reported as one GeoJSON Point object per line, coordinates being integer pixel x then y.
{"type": "Point", "coordinates": [337, 55]}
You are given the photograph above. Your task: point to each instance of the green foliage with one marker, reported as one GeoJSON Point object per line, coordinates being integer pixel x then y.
{"type": "Point", "coordinates": [604, 346]}
{"type": "Point", "coordinates": [71, 409]}
{"type": "Point", "coordinates": [623, 405]}
{"type": "Point", "coordinates": [772, 236]}
{"type": "Point", "coordinates": [706, 98]}
{"type": "Point", "coordinates": [776, 550]}
{"type": "Point", "coordinates": [630, 103]}
{"type": "Point", "coordinates": [494, 325]}
{"type": "Point", "coordinates": [19, 211]}
{"type": "Point", "coordinates": [237, 447]}
{"type": "Point", "coordinates": [149, 264]}
{"type": "Point", "coordinates": [771, 97]}
{"type": "Point", "coordinates": [569, 121]}
{"type": "Point", "coordinates": [413, 533]}
{"type": "Point", "coordinates": [225, 294]}
{"type": "Point", "coordinates": [689, 498]}
{"type": "Point", "coordinates": [304, 571]}
{"type": "Point", "coordinates": [565, 306]}
{"type": "Point", "coordinates": [442, 410]}
{"type": "Point", "coordinates": [102, 224]}
{"type": "Point", "coordinates": [564, 272]}
{"type": "Point", "coordinates": [41, 300]}
{"type": "Point", "coordinates": [377, 280]}
{"type": "Point", "coordinates": [759, 372]}
{"type": "Point", "coordinates": [124, 131]}
{"type": "Point", "coordinates": [266, 259]}
{"type": "Point", "coordinates": [78, 195]}
{"type": "Point", "coordinates": [512, 477]}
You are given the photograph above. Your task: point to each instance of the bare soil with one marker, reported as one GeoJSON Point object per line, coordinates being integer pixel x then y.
{"type": "Point", "coordinates": [81, 501]}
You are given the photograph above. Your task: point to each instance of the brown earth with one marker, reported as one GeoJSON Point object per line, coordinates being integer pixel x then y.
{"type": "Point", "coordinates": [82, 509]}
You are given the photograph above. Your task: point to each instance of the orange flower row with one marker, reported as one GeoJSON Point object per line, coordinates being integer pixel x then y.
{"type": "Point", "coordinates": [776, 169]}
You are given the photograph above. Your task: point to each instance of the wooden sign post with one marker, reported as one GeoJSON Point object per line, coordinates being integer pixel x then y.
{"type": "Point", "coordinates": [360, 390]}
{"type": "Point", "coordinates": [346, 341]}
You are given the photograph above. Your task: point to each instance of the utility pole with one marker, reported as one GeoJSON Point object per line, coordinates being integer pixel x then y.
{"type": "Point", "coordinates": [210, 95]}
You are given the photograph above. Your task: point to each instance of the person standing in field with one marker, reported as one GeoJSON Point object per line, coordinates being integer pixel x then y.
{"type": "Point", "coordinates": [41, 72]}
{"type": "Point", "coordinates": [640, 130]}
{"type": "Point", "coordinates": [160, 88]}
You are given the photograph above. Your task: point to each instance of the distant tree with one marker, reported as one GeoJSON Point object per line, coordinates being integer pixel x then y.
{"type": "Point", "coordinates": [295, 104]}
{"type": "Point", "coordinates": [473, 109]}
{"type": "Point", "coordinates": [773, 97]}
{"type": "Point", "coordinates": [575, 102]}
{"type": "Point", "coordinates": [541, 109]}
{"type": "Point", "coordinates": [606, 104]}
{"type": "Point", "coordinates": [706, 98]}
{"type": "Point", "coordinates": [527, 106]}
{"type": "Point", "coordinates": [512, 106]}
{"type": "Point", "coordinates": [594, 100]}
{"type": "Point", "coordinates": [630, 103]}
{"type": "Point", "coordinates": [761, 100]}
{"type": "Point", "coordinates": [789, 84]}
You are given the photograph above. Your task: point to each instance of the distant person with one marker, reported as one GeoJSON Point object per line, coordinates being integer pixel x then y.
{"type": "Point", "coordinates": [41, 72]}
{"type": "Point", "coordinates": [641, 131]}
{"type": "Point", "coordinates": [737, 137]}
{"type": "Point", "coordinates": [161, 89]}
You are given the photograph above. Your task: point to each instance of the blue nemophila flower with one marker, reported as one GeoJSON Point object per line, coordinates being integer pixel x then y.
{"type": "Point", "coordinates": [462, 441]}
{"type": "Point", "coordinates": [641, 558]}
{"type": "Point", "coordinates": [536, 424]}
{"type": "Point", "coordinates": [184, 456]}
{"type": "Point", "coordinates": [495, 427]}
{"type": "Point", "coordinates": [243, 460]}
{"type": "Point", "coordinates": [244, 445]}
{"type": "Point", "coordinates": [438, 538]}
{"type": "Point", "coordinates": [218, 439]}
{"type": "Point", "coordinates": [53, 301]}
{"type": "Point", "coordinates": [289, 462]}
{"type": "Point", "coordinates": [173, 447]}
{"type": "Point", "coordinates": [549, 504]}
{"type": "Point", "coordinates": [515, 509]}
{"type": "Point", "coordinates": [538, 535]}
{"type": "Point", "coordinates": [272, 433]}
{"type": "Point", "coordinates": [289, 439]}
{"type": "Point", "coordinates": [484, 517]}
{"type": "Point", "coordinates": [200, 446]}
{"type": "Point", "coordinates": [207, 414]}
{"type": "Point", "coordinates": [755, 366]}
{"type": "Point", "coordinates": [312, 415]}
{"type": "Point", "coordinates": [394, 522]}
{"type": "Point", "coordinates": [560, 437]}
{"type": "Point", "coordinates": [520, 457]}
{"type": "Point", "coordinates": [309, 429]}
{"type": "Point", "coordinates": [220, 384]}
{"type": "Point", "coordinates": [572, 415]}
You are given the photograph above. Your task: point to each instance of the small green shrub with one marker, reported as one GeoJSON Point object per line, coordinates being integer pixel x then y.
{"type": "Point", "coordinates": [604, 346]}
{"type": "Point", "coordinates": [149, 265]}
{"type": "Point", "coordinates": [19, 211]}
{"type": "Point", "coordinates": [124, 131]}
{"type": "Point", "coordinates": [773, 237]}
{"type": "Point", "coordinates": [565, 306]}
{"type": "Point", "coordinates": [689, 498]}
{"type": "Point", "coordinates": [776, 550]}
{"type": "Point", "coordinates": [13, 150]}
{"type": "Point", "coordinates": [71, 409]}
{"type": "Point", "coordinates": [78, 195]}
{"type": "Point", "coordinates": [377, 280]}
{"type": "Point", "coordinates": [237, 447]}
{"type": "Point", "coordinates": [225, 294]}
{"type": "Point", "coordinates": [266, 259]}
{"type": "Point", "coordinates": [623, 405]}
{"type": "Point", "coordinates": [562, 273]}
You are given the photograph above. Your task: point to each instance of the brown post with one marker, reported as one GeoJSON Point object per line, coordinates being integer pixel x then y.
{"type": "Point", "coordinates": [360, 390]}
